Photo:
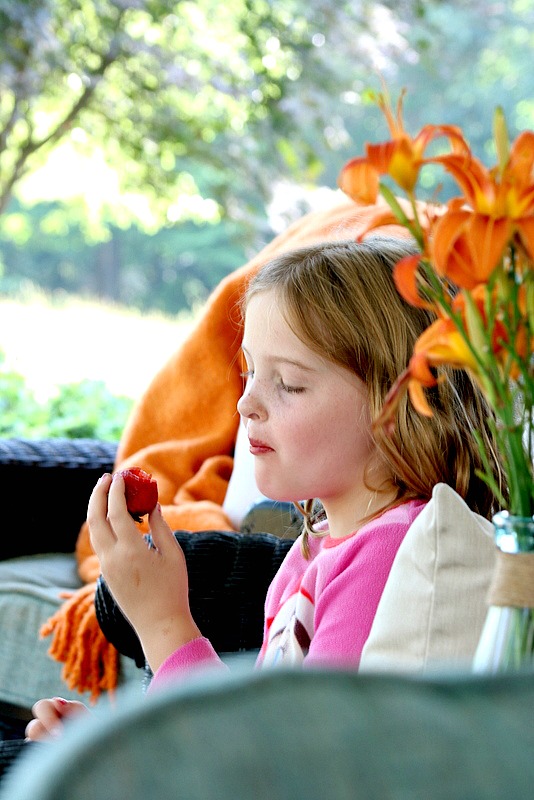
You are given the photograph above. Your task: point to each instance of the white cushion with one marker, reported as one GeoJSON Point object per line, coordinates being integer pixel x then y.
{"type": "Point", "coordinates": [433, 607]}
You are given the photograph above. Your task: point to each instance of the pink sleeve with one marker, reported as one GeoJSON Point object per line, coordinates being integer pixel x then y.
{"type": "Point", "coordinates": [196, 653]}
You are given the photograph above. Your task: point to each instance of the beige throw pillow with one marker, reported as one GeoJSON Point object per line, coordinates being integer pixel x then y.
{"type": "Point", "coordinates": [433, 606]}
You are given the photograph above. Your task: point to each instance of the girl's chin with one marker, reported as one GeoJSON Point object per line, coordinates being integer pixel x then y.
{"type": "Point", "coordinates": [280, 496]}
{"type": "Point", "coordinates": [276, 490]}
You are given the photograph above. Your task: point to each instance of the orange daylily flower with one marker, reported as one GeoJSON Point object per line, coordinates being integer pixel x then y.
{"type": "Point", "coordinates": [497, 192]}
{"type": "Point", "coordinates": [498, 205]}
{"type": "Point", "coordinates": [483, 238]}
{"type": "Point", "coordinates": [440, 344]}
{"type": "Point", "coordinates": [401, 157]}
{"type": "Point", "coordinates": [467, 247]}
{"type": "Point", "coordinates": [405, 277]}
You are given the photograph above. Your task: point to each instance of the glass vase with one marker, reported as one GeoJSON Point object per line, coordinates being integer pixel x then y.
{"type": "Point", "coordinates": [507, 639]}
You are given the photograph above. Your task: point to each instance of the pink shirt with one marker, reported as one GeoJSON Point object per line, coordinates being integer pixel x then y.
{"type": "Point", "coordinates": [318, 611]}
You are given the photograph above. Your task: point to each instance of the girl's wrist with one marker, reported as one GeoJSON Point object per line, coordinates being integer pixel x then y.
{"type": "Point", "coordinates": [163, 640]}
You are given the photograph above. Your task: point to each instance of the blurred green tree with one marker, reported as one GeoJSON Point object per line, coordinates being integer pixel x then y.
{"type": "Point", "coordinates": [171, 117]}
{"type": "Point", "coordinates": [158, 86]}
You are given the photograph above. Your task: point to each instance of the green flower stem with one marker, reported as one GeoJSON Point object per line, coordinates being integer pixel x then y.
{"type": "Point", "coordinates": [413, 226]}
{"type": "Point", "coordinates": [520, 653]}
{"type": "Point", "coordinates": [519, 470]}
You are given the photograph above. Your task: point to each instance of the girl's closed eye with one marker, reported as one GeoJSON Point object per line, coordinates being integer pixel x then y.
{"type": "Point", "coordinates": [291, 389]}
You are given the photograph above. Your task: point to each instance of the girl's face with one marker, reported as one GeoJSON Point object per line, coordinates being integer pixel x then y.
{"type": "Point", "coordinates": [307, 419]}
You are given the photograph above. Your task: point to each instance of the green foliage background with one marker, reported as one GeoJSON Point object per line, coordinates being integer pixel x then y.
{"type": "Point", "coordinates": [81, 410]}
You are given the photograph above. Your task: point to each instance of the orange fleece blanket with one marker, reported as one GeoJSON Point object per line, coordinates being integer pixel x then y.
{"type": "Point", "coordinates": [183, 430]}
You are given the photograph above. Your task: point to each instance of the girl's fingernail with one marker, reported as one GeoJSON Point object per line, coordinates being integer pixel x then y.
{"type": "Point", "coordinates": [60, 701]}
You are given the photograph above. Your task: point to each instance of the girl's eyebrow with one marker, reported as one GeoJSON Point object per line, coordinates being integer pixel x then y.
{"type": "Point", "coordinates": [279, 359]}
{"type": "Point", "coordinates": [291, 362]}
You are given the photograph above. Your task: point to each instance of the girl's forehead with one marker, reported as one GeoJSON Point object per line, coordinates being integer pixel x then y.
{"type": "Point", "coordinates": [265, 310]}
{"type": "Point", "coordinates": [268, 337]}
{"type": "Point", "coordinates": [266, 325]}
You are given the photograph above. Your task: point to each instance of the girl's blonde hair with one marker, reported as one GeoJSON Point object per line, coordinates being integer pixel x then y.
{"type": "Point", "coordinates": [340, 299]}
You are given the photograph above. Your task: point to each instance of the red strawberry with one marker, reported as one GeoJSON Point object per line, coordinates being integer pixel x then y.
{"type": "Point", "coordinates": [141, 491]}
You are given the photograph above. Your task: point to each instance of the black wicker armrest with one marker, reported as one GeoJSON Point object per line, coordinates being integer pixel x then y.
{"type": "Point", "coordinates": [229, 574]}
{"type": "Point", "coordinates": [45, 485]}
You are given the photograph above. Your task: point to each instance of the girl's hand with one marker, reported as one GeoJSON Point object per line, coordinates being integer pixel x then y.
{"type": "Point", "coordinates": [149, 584]}
{"type": "Point", "coordinates": [50, 715]}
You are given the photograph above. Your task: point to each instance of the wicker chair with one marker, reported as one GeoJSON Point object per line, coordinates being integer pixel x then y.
{"type": "Point", "coordinates": [229, 573]}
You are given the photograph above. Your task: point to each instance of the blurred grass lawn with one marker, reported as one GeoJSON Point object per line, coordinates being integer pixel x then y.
{"type": "Point", "coordinates": [55, 342]}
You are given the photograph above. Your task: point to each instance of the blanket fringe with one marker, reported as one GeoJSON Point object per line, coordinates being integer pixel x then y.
{"type": "Point", "coordinates": [91, 663]}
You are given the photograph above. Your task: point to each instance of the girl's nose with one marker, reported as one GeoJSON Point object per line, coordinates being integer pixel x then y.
{"type": "Point", "coordinates": [248, 405]}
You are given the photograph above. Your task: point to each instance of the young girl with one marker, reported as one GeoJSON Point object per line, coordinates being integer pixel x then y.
{"type": "Point", "coordinates": [325, 335]}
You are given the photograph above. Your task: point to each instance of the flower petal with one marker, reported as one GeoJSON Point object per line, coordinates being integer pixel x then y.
{"type": "Point", "coordinates": [418, 399]}
{"type": "Point", "coordinates": [405, 277]}
{"type": "Point", "coordinates": [487, 238]}
{"type": "Point", "coordinates": [382, 217]}
{"type": "Point", "coordinates": [467, 247]}
{"type": "Point", "coordinates": [522, 156]}
{"type": "Point", "coordinates": [473, 178]}
{"type": "Point", "coordinates": [525, 232]}
{"type": "Point", "coordinates": [447, 230]}
{"type": "Point", "coordinates": [359, 180]}
{"type": "Point", "coordinates": [385, 419]}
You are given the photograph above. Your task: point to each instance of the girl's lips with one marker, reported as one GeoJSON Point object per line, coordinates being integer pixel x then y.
{"type": "Point", "coordinates": [257, 448]}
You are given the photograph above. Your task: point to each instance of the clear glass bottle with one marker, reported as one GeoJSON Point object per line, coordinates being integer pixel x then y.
{"type": "Point", "coordinates": [507, 639]}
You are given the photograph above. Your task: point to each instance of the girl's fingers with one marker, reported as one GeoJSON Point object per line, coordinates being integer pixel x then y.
{"type": "Point", "coordinates": [98, 502]}
{"type": "Point", "coordinates": [97, 510]}
{"type": "Point", "coordinates": [35, 730]}
{"type": "Point", "coordinates": [68, 708]}
{"type": "Point", "coordinates": [120, 520]}
{"type": "Point", "coordinates": [117, 509]}
{"type": "Point", "coordinates": [159, 530]}
{"type": "Point", "coordinates": [117, 498]}
{"type": "Point", "coordinates": [49, 716]}
{"type": "Point", "coordinates": [161, 533]}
